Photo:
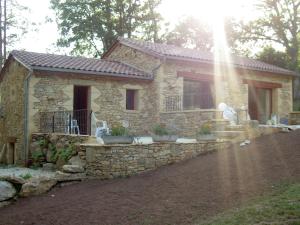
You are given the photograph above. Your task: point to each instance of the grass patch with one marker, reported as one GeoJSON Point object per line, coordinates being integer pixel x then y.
{"type": "Point", "coordinates": [281, 207]}
{"type": "Point", "coordinates": [26, 176]}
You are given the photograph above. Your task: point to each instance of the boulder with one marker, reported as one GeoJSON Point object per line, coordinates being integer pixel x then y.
{"type": "Point", "coordinates": [7, 190]}
{"type": "Point", "coordinates": [53, 138]}
{"type": "Point", "coordinates": [37, 186]}
{"type": "Point", "coordinates": [75, 160]}
{"type": "Point", "coordinates": [49, 157]}
{"type": "Point", "coordinates": [72, 169]}
{"type": "Point", "coordinates": [13, 179]}
{"type": "Point", "coordinates": [61, 176]}
{"type": "Point", "coordinates": [5, 203]}
{"type": "Point", "coordinates": [48, 166]}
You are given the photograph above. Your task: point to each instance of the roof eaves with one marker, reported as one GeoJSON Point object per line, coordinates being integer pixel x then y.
{"type": "Point", "coordinates": [53, 69]}
{"type": "Point", "coordinates": [288, 73]}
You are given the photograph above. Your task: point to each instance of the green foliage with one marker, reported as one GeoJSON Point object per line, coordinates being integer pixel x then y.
{"type": "Point", "coordinates": [271, 56]}
{"type": "Point", "coordinates": [37, 156]}
{"type": "Point", "coordinates": [65, 153]}
{"type": "Point", "coordinates": [282, 207]}
{"type": "Point", "coordinates": [92, 26]}
{"type": "Point", "coordinates": [205, 129]}
{"type": "Point", "coordinates": [26, 176]}
{"type": "Point", "coordinates": [279, 24]}
{"type": "Point", "coordinates": [192, 33]}
{"type": "Point", "coordinates": [159, 129]}
{"type": "Point", "coordinates": [119, 131]}
{"type": "Point", "coordinates": [42, 142]}
{"type": "Point", "coordinates": [53, 150]}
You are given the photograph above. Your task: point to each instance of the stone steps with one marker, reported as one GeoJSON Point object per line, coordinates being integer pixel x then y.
{"type": "Point", "coordinates": [233, 136]}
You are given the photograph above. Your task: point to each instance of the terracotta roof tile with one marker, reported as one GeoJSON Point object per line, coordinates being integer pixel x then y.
{"type": "Point", "coordinates": [79, 64]}
{"type": "Point", "coordinates": [175, 52]}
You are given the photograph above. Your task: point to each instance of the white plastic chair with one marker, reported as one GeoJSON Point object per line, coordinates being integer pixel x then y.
{"type": "Point", "coordinates": [75, 127]}
{"type": "Point", "coordinates": [101, 128]}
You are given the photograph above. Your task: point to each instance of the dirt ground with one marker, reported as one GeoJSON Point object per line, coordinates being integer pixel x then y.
{"type": "Point", "coordinates": [177, 194]}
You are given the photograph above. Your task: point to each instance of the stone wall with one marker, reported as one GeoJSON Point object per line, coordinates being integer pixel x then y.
{"type": "Point", "coordinates": [229, 86]}
{"type": "Point", "coordinates": [12, 101]}
{"type": "Point", "coordinates": [54, 92]}
{"type": "Point", "coordinates": [294, 118]}
{"type": "Point", "coordinates": [188, 122]}
{"type": "Point", "coordinates": [111, 161]}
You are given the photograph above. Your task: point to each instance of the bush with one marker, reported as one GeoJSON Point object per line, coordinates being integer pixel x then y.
{"type": "Point", "coordinates": [205, 129]}
{"type": "Point", "coordinates": [160, 130]}
{"type": "Point", "coordinates": [37, 157]}
{"type": "Point", "coordinates": [119, 131]}
{"type": "Point", "coordinates": [26, 176]}
{"type": "Point", "coordinates": [65, 153]}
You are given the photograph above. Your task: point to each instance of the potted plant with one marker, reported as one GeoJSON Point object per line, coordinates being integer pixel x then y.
{"type": "Point", "coordinates": [205, 133]}
{"type": "Point", "coordinates": [161, 134]}
{"type": "Point", "coordinates": [118, 135]}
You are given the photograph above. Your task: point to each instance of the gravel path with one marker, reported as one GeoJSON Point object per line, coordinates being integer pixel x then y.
{"type": "Point", "coordinates": [177, 194]}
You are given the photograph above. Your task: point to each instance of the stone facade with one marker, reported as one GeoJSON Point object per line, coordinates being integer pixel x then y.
{"type": "Point", "coordinates": [228, 81]}
{"type": "Point", "coordinates": [107, 99]}
{"type": "Point", "coordinates": [54, 91]}
{"type": "Point", "coordinates": [113, 161]}
{"type": "Point", "coordinates": [12, 103]}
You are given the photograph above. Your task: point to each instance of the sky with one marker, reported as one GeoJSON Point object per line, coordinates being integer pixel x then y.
{"type": "Point", "coordinates": [172, 10]}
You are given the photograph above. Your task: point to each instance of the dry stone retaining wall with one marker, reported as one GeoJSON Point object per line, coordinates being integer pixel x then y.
{"type": "Point", "coordinates": [111, 161]}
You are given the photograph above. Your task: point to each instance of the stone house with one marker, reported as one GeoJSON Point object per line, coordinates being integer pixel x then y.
{"type": "Point", "coordinates": [138, 83]}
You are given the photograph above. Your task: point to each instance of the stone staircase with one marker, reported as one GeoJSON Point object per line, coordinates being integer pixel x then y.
{"type": "Point", "coordinates": [233, 133]}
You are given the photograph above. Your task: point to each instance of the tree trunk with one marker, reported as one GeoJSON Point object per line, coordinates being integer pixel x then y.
{"type": "Point", "coordinates": [4, 31]}
{"type": "Point", "coordinates": [1, 40]}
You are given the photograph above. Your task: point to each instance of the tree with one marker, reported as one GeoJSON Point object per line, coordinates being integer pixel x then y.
{"type": "Point", "coordinates": [92, 26]}
{"type": "Point", "coordinates": [196, 34]}
{"type": "Point", "coordinates": [191, 33]}
{"type": "Point", "coordinates": [274, 57]}
{"type": "Point", "coordinates": [279, 24]}
{"type": "Point", "coordinates": [12, 25]}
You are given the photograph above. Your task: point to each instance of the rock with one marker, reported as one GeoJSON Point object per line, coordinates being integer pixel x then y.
{"type": "Point", "coordinates": [53, 138]}
{"type": "Point", "coordinates": [60, 163]}
{"type": "Point", "coordinates": [13, 179]}
{"type": "Point", "coordinates": [75, 160]}
{"type": "Point", "coordinates": [5, 203]}
{"type": "Point", "coordinates": [49, 157]}
{"type": "Point", "coordinates": [36, 186]}
{"type": "Point", "coordinates": [61, 176]}
{"type": "Point", "coordinates": [48, 166]}
{"type": "Point", "coordinates": [7, 190]}
{"type": "Point", "coordinates": [73, 169]}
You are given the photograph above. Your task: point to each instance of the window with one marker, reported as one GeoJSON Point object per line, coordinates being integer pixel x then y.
{"type": "Point", "coordinates": [131, 99]}
{"type": "Point", "coordinates": [198, 94]}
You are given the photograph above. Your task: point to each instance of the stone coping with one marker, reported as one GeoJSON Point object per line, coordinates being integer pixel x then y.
{"type": "Point", "coordinates": [193, 110]}
{"type": "Point", "coordinates": [295, 112]}
{"type": "Point", "coordinates": [154, 143]}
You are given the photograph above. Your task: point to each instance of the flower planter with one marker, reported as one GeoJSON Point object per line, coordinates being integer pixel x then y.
{"type": "Point", "coordinates": [117, 140]}
{"type": "Point", "coordinates": [164, 138]}
{"type": "Point", "coordinates": [206, 137]}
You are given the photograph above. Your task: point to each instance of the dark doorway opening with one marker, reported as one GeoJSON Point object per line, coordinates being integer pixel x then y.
{"type": "Point", "coordinates": [260, 104]}
{"type": "Point", "coordinates": [81, 107]}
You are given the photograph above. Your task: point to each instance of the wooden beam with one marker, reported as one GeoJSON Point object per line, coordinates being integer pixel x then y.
{"type": "Point", "coordinates": [262, 84]}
